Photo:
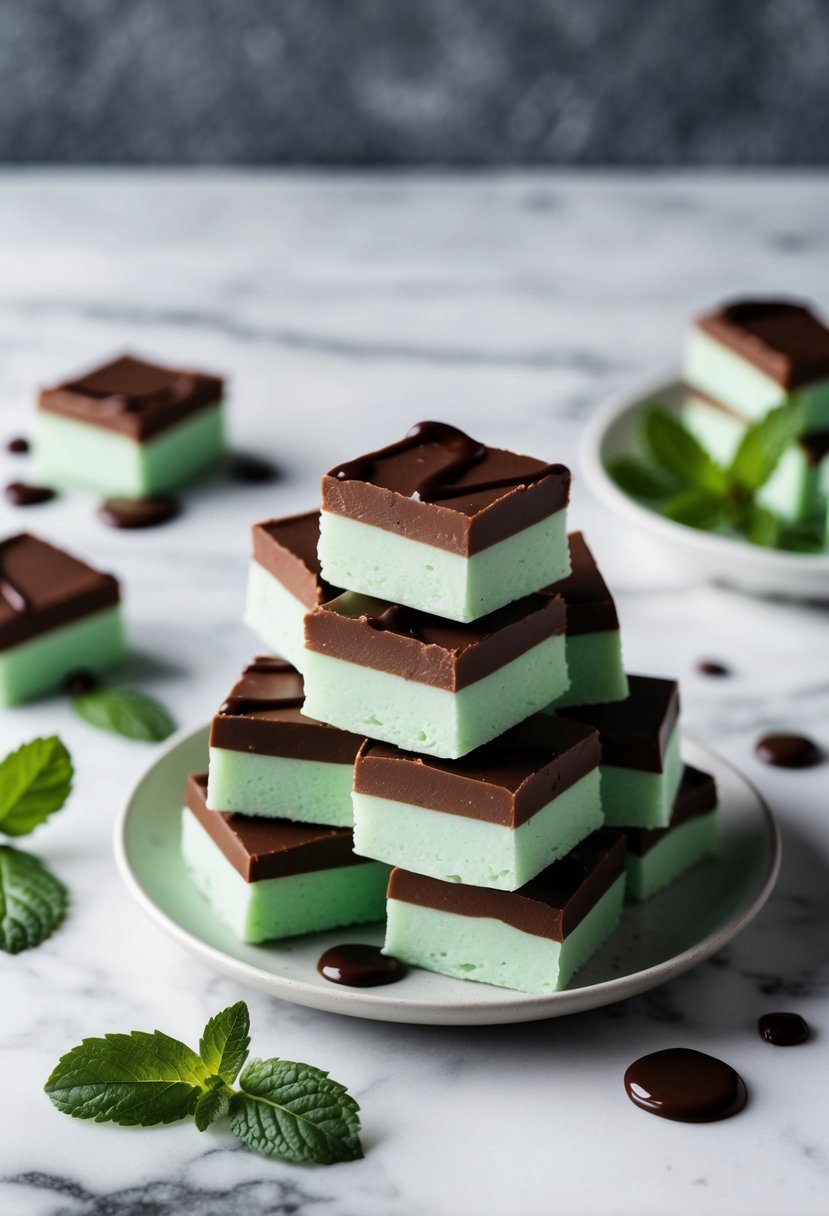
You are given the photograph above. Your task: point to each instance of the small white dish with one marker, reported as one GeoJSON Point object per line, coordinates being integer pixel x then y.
{"type": "Point", "coordinates": [656, 941]}
{"type": "Point", "coordinates": [611, 432]}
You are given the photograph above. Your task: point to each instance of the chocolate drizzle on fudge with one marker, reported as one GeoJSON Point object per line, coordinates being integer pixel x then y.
{"type": "Point", "coordinates": [783, 339]}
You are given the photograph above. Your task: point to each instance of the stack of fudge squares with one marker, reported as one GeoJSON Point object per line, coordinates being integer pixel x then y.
{"type": "Point", "coordinates": [447, 736]}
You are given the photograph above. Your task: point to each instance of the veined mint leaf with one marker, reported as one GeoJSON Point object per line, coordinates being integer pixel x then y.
{"type": "Point", "coordinates": [295, 1112]}
{"type": "Point", "coordinates": [34, 783]}
{"type": "Point", "coordinates": [696, 508]}
{"type": "Point", "coordinates": [125, 712]}
{"type": "Point", "coordinates": [225, 1042]}
{"type": "Point", "coordinates": [212, 1104]}
{"type": "Point", "coordinates": [763, 444]}
{"type": "Point", "coordinates": [679, 453]}
{"type": "Point", "coordinates": [130, 1079]}
{"type": "Point", "coordinates": [639, 479]}
{"type": "Point", "coordinates": [32, 901]}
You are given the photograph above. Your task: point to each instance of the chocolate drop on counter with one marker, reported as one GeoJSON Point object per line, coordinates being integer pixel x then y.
{"type": "Point", "coordinates": [137, 512]}
{"type": "Point", "coordinates": [21, 494]}
{"type": "Point", "coordinates": [685, 1085]}
{"type": "Point", "coordinates": [252, 469]}
{"type": "Point", "coordinates": [78, 683]}
{"type": "Point", "coordinates": [788, 751]}
{"type": "Point", "coordinates": [360, 966]}
{"type": "Point", "coordinates": [711, 667]}
{"type": "Point", "coordinates": [783, 1029]}
{"type": "Point", "coordinates": [18, 445]}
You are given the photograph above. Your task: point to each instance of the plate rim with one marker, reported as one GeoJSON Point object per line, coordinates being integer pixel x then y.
{"type": "Point", "coordinates": [384, 1007]}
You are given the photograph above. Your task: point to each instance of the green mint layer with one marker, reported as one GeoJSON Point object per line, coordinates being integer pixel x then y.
{"type": "Point", "coordinates": [34, 783]}
{"type": "Point", "coordinates": [32, 901]}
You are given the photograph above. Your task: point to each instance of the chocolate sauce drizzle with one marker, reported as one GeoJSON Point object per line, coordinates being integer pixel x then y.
{"type": "Point", "coordinates": [685, 1085]}
{"type": "Point", "coordinates": [783, 1029]}
{"type": "Point", "coordinates": [21, 494]}
{"type": "Point", "coordinates": [360, 966]}
{"type": "Point", "coordinates": [134, 513]}
{"type": "Point", "coordinates": [19, 445]}
{"type": "Point", "coordinates": [13, 594]}
{"type": "Point", "coordinates": [463, 453]}
{"type": "Point", "coordinates": [268, 665]}
{"type": "Point", "coordinates": [788, 751]}
{"type": "Point", "coordinates": [394, 619]}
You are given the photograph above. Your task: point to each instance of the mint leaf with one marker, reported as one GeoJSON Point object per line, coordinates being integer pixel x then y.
{"type": "Point", "coordinates": [212, 1104]}
{"type": "Point", "coordinates": [639, 479]}
{"type": "Point", "coordinates": [760, 527]}
{"type": "Point", "coordinates": [125, 712]}
{"type": "Point", "coordinates": [225, 1042]}
{"type": "Point", "coordinates": [295, 1112]}
{"type": "Point", "coordinates": [34, 783]}
{"type": "Point", "coordinates": [679, 453]}
{"type": "Point", "coordinates": [32, 901]}
{"type": "Point", "coordinates": [801, 538]}
{"type": "Point", "coordinates": [695, 508]}
{"type": "Point", "coordinates": [763, 444]}
{"type": "Point", "coordinates": [132, 1079]}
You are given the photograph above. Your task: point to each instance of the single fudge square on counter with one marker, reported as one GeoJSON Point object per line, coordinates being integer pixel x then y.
{"type": "Point", "coordinates": [444, 524]}
{"type": "Point", "coordinates": [656, 856]}
{"type": "Point", "coordinates": [268, 758]}
{"type": "Point", "coordinates": [594, 641]}
{"type": "Point", "coordinates": [129, 428]}
{"type": "Point", "coordinates": [533, 939]}
{"type": "Point", "coordinates": [753, 354]}
{"type": "Point", "coordinates": [495, 818]}
{"type": "Point", "coordinates": [284, 582]}
{"type": "Point", "coordinates": [641, 761]}
{"type": "Point", "coordinates": [58, 616]}
{"type": "Point", "coordinates": [430, 685]}
{"type": "Point", "coordinates": [271, 878]}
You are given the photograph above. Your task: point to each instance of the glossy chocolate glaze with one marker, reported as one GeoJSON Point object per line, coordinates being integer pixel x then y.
{"type": "Point", "coordinates": [22, 494]}
{"type": "Point", "coordinates": [19, 445]}
{"type": "Point", "coordinates": [137, 512]}
{"type": "Point", "coordinates": [686, 1086]}
{"type": "Point", "coordinates": [287, 549]}
{"type": "Point", "coordinates": [634, 732]}
{"type": "Point", "coordinates": [784, 339]}
{"type": "Point", "coordinates": [788, 751]}
{"type": "Point", "coordinates": [783, 1029]}
{"type": "Point", "coordinates": [697, 795]}
{"type": "Point", "coordinates": [360, 966]}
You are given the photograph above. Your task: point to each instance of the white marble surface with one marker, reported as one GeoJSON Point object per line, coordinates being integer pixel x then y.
{"type": "Point", "coordinates": [344, 309]}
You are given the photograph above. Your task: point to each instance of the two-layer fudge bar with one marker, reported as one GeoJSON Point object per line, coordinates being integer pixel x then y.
{"type": "Point", "coordinates": [532, 939]}
{"type": "Point", "coordinates": [495, 818]}
{"type": "Point", "coordinates": [268, 758]}
{"type": "Point", "coordinates": [58, 616]}
{"type": "Point", "coordinates": [270, 878]}
{"type": "Point", "coordinates": [641, 762]}
{"type": "Point", "coordinates": [593, 641]}
{"type": "Point", "coordinates": [795, 491]}
{"type": "Point", "coordinates": [284, 582]}
{"type": "Point", "coordinates": [752, 354]}
{"type": "Point", "coordinates": [656, 856]}
{"type": "Point", "coordinates": [430, 685]}
{"type": "Point", "coordinates": [129, 428]}
{"type": "Point", "coordinates": [444, 524]}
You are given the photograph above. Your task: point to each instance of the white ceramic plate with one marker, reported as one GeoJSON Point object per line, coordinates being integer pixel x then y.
{"type": "Point", "coordinates": [611, 432]}
{"type": "Point", "coordinates": [655, 942]}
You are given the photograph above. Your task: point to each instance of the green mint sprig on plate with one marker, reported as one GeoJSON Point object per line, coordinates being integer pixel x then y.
{"type": "Point", "coordinates": [282, 1109]}
{"type": "Point", "coordinates": [681, 480]}
{"type": "Point", "coordinates": [35, 781]}
{"type": "Point", "coordinates": [124, 711]}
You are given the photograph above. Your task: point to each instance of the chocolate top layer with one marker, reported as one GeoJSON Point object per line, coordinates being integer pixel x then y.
{"type": "Point", "coordinates": [42, 587]}
{"type": "Point", "coordinates": [697, 795]}
{"type": "Point", "coordinates": [503, 782]}
{"type": "Point", "coordinates": [263, 715]}
{"type": "Point", "coordinates": [269, 848]}
{"type": "Point", "coordinates": [287, 549]}
{"type": "Point", "coordinates": [439, 486]}
{"type": "Point", "coordinates": [417, 646]}
{"type": "Point", "coordinates": [135, 398]}
{"type": "Point", "coordinates": [590, 606]}
{"type": "Point", "coordinates": [634, 732]}
{"type": "Point", "coordinates": [550, 905]}
{"type": "Point", "coordinates": [784, 340]}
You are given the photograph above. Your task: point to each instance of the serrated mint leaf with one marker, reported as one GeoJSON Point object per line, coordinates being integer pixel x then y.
{"type": "Point", "coordinates": [32, 901]}
{"type": "Point", "coordinates": [678, 453]}
{"type": "Point", "coordinates": [639, 479]}
{"type": "Point", "coordinates": [695, 508]}
{"type": "Point", "coordinates": [760, 527]}
{"type": "Point", "coordinates": [225, 1042]}
{"type": "Point", "coordinates": [125, 712]}
{"type": "Point", "coordinates": [763, 444]}
{"type": "Point", "coordinates": [132, 1079]}
{"type": "Point", "coordinates": [295, 1112]}
{"type": "Point", "coordinates": [212, 1104]}
{"type": "Point", "coordinates": [34, 783]}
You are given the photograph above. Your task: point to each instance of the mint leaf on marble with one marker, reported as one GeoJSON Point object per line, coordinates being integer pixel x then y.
{"type": "Point", "coordinates": [123, 711]}
{"type": "Point", "coordinates": [32, 901]}
{"type": "Point", "coordinates": [763, 444]}
{"type": "Point", "coordinates": [135, 1079]}
{"type": "Point", "coordinates": [295, 1112]}
{"type": "Point", "coordinates": [225, 1042]}
{"type": "Point", "coordinates": [34, 783]}
{"type": "Point", "coordinates": [678, 453]}
{"type": "Point", "coordinates": [212, 1104]}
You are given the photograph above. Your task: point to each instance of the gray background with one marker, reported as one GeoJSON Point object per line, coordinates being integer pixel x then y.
{"type": "Point", "coordinates": [415, 81]}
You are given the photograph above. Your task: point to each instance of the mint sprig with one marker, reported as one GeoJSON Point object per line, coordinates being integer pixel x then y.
{"type": "Point", "coordinates": [34, 783]}
{"type": "Point", "coordinates": [123, 711]}
{"type": "Point", "coordinates": [32, 901]}
{"type": "Point", "coordinates": [281, 1109]}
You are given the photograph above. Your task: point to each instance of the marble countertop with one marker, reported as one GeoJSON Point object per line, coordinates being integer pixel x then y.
{"type": "Point", "coordinates": [345, 308]}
